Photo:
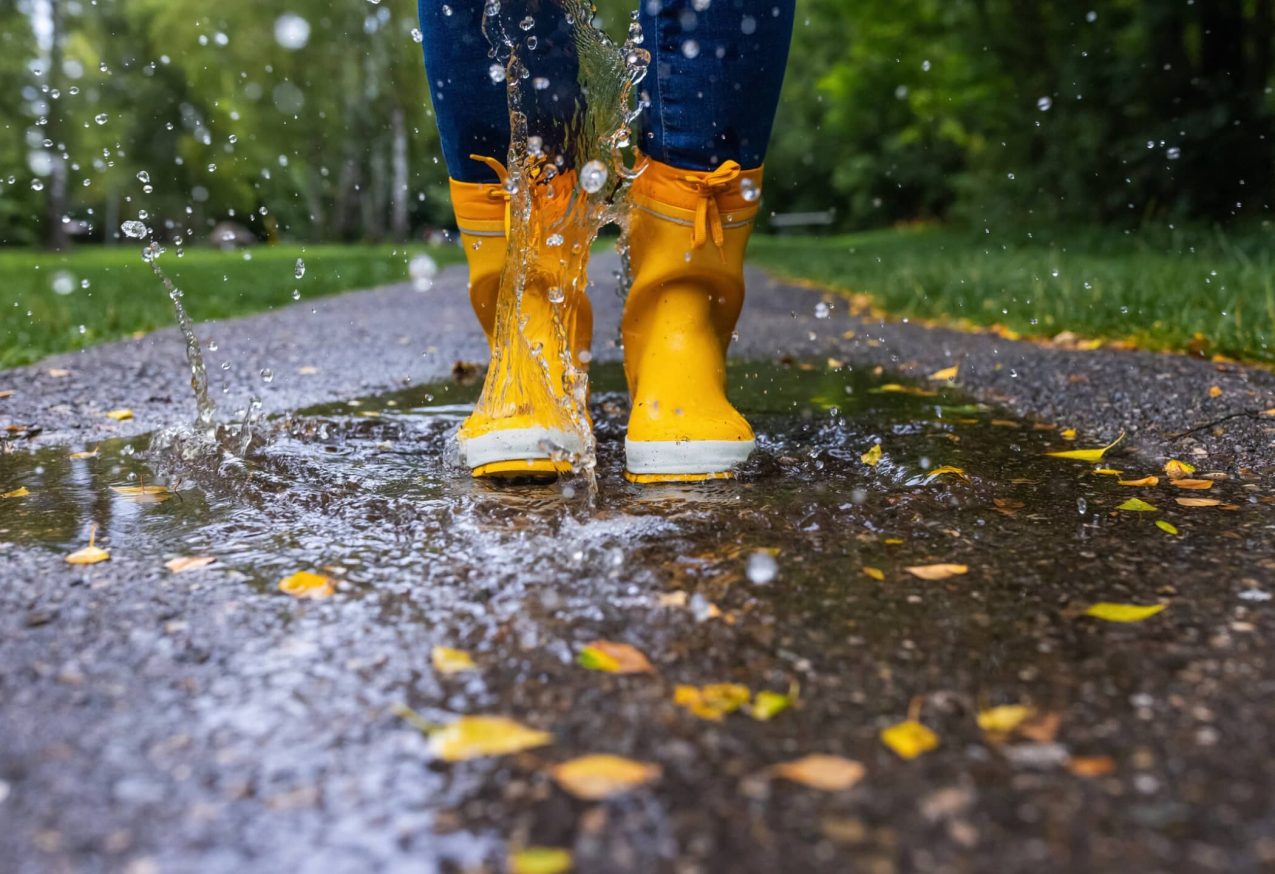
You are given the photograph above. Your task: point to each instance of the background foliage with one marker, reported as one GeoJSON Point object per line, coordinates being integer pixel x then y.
{"type": "Point", "coordinates": [985, 111]}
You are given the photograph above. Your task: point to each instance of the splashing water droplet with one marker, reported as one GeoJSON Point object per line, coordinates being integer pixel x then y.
{"type": "Point", "coordinates": [37, 185]}
{"type": "Point", "coordinates": [749, 190]}
{"type": "Point", "coordinates": [762, 568]}
{"type": "Point", "coordinates": [63, 282]}
{"type": "Point", "coordinates": [101, 118]}
{"type": "Point", "coordinates": [540, 83]}
{"type": "Point", "coordinates": [593, 176]}
{"type": "Point", "coordinates": [496, 72]}
{"type": "Point", "coordinates": [143, 177]}
{"type": "Point", "coordinates": [690, 48]}
{"type": "Point", "coordinates": [291, 31]}
{"type": "Point", "coordinates": [422, 269]}
{"type": "Point", "coordinates": [134, 229]}
{"type": "Point", "coordinates": [1044, 104]}
{"type": "Point", "coordinates": [527, 23]}
{"type": "Point", "coordinates": [556, 295]}
{"type": "Point", "coordinates": [553, 240]}
{"type": "Point", "coordinates": [535, 146]}
{"type": "Point", "coordinates": [299, 271]}
{"type": "Point", "coordinates": [822, 310]}
{"type": "Point", "coordinates": [296, 294]}
{"type": "Point", "coordinates": [447, 10]}
{"type": "Point", "coordinates": [267, 375]}
{"type": "Point", "coordinates": [1173, 153]}
{"type": "Point", "coordinates": [417, 36]}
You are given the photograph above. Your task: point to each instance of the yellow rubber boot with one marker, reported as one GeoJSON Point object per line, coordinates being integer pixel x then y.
{"type": "Point", "coordinates": [688, 231]}
{"type": "Point", "coordinates": [517, 431]}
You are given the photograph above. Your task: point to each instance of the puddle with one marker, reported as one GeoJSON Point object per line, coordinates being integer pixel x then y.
{"type": "Point", "coordinates": [523, 576]}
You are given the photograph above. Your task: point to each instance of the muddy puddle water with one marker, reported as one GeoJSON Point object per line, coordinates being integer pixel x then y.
{"type": "Point", "coordinates": [792, 579]}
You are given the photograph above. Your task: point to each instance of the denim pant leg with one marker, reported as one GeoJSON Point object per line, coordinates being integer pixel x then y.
{"type": "Point", "coordinates": [714, 79]}
{"type": "Point", "coordinates": [471, 108]}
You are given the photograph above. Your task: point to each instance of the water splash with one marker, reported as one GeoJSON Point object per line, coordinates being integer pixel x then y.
{"type": "Point", "coordinates": [205, 409]}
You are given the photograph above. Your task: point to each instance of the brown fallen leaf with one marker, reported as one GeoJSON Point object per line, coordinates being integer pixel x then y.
{"type": "Point", "coordinates": [90, 554]}
{"type": "Point", "coordinates": [936, 572]}
{"type": "Point", "coordinates": [1198, 484]}
{"type": "Point", "coordinates": [58, 372]}
{"type": "Point", "coordinates": [5, 393]}
{"type": "Point", "coordinates": [184, 563]}
{"type": "Point", "coordinates": [1007, 506]}
{"type": "Point", "coordinates": [614, 658]}
{"type": "Point", "coordinates": [1091, 766]}
{"type": "Point", "coordinates": [712, 702]}
{"type": "Point", "coordinates": [822, 772]}
{"type": "Point", "coordinates": [1215, 391]}
{"type": "Point", "coordinates": [1197, 502]}
{"type": "Point", "coordinates": [596, 777]}
{"type": "Point", "coordinates": [1145, 481]}
{"type": "Point", "coordinates": [305, 584]}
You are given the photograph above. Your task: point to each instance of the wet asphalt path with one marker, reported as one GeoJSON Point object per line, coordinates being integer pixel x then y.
{"type": "Point", "coordinates": [160, 722]}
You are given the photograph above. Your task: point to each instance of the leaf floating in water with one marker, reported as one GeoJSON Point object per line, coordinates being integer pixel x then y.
{"type": "Point", "coordinates": [90, 554]}
{"type": "Point", "coordinates": [144, 494]}
{"type": "Point", "coordinates": [79, 456]}
{"type": "Point", "coordinates": [946, 470]}
{"type": "Point", "coordinates": [1196, 484]}
{"type": "Point", "coordinates": [895, 388]}
{"type": "Point", "coordinates": [1108, 471]}
{"type": "Point", "coordinates": [909, 739]}
{"type": "Point", "coordinates": [767, 705]}
{"type": "Point", "coordinates": [1167, 527]}
{"type": "Point", "coordinates": [872, 457]}
{"type": "Point", "coordinates": [473, 737]}
{"type": "Point", "coordinates": [540, 860]}
{"type": "Point", "coordinates": [19, 492]}
{"type": "Point", "coordinates": [1087, 454]}
{"type": "Point", "coordinates": [1123, 612]}
{"type": "Point", "coordinates": [874, 573]}
{"type": "Point", "coordinates": [936, 572]}
{"type": "Point", "coordinates": [305, 584]}
{"type": "Point", "coordinates": [614, 658]}
{"type": "Point", "coordinates": [120, 415]}
{"type": "Point", "coordinates": [1145, 481]}
{"type": "Point", "coordinates": [1198, 502]}
{"type": "Point", "coordinates": [451, 661]}
{"type": "Point", "coordinates": [1175, 469]}
{"type": "Point", "coordinates": [596, 777]}
{"type": "Point", "coordinates": [1136, 505]}
{"type": "Point", "coordinates": [714, 701]}
{"type": "Point", "coordinates": [189, 563]}
{"type": "Point", "coordinates": [825, 773]}
{"type": "Point", "coordinates": [947, 373]}
{"type": "Point", "coordinates": [1003, 719]}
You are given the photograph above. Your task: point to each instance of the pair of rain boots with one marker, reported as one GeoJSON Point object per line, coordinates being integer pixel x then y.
{"type": "Point", "coordinates": [688, 232]}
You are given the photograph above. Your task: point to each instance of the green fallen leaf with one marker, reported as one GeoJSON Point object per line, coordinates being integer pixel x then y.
{"type": "Point", "coordinates": [1123, 612]}
{"type": "Point", "coordinates": [1167, 527]}
{"type": "Point", "coordinates": [1137, 505]}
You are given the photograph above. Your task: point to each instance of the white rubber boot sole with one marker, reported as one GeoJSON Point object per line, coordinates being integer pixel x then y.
{"type": "Point", "coordinates": [685, 460]}
{"type": "Point", "coordinates": [507, 448]}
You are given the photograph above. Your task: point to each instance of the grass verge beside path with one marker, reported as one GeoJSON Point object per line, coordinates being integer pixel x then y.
{"type": "Point", "coordinates": [1203, 292]}
{"type": "Point", "coordinates": [122, 297]}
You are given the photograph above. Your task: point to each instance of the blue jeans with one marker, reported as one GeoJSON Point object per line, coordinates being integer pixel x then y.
{"type": "Point", "coordinates": [713, 82]}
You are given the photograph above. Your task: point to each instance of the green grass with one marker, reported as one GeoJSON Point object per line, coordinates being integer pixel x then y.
{"type": "Point", "coordinates": [123, 297]}
{"type": "Point", "coordinates": [1199, 291]}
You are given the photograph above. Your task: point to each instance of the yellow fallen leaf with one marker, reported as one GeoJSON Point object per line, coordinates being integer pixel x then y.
{"type": "Point", "coordinates": [1215, 391]}
{"type": "Point", "coordinates": [947, 373]}
{"type": "Point", "coordinates": [1167, 527]}
{"type": "Point", "coordinates": [120, 415]}
{"type": "Point", "coordinates": [1004, 718]}
{"type": "Point", "coordinates": [1087, 454]}
{"type": "Point", "coordinates": [826, 773]}
{"type": "Point", "coordinates": [909, 739]}
{"type": "Point", "coordinates": [596, 777]}
{"type": "Point", "coordinates": [1123, 612]}
{"type": "Point", "coordinates": [78, 456]}
{"type": "Point", "coordinates": [1145, 481]}
{"type": "Point", "coordinates": [1109, 471]}
{"type": "Point", "coordinates": [895, 388]}
{"type": "Point", "coordinates": [145, 493]}
{"type": "Point", "coordinates": [937, 571]}
{"type": "Point", "coordinates": [1197, 502]}
{"type": "Point", "coordinates": [540, 860]}
{"type": "Point", "coordinates": [19, 492]}
{"type": "Point", "coordinates": [188, 563]}
{"type": "Point", "coordinates": [946, 470]}
{"type": "Point", "coordinates": [767, 705]}
{"type": "Point", "coordinates": [472, 737]}
{"type": "Point", "coordinates": [305, 584]}
{"type": "Point", "coordinates": [1197, 484]}
{"type": "Point", "coordinates": [58, 372]}
{"type": "Point", "coordinates": [451, 661]}
{"type": "Point", "coordinates": [1067, 433]}
{"type": "Point", "coordinates": [307, 370]}
{"type": "Point", "coordinates": [90, 554]}
{"type": "Point", "coordinates": [1136, 505]}
{"type": "Point", "coordinates": [874, 572]}
{"type": "Point", "coordinates": [893, 541]}
{"type": "Point", "coordinates": [1175, 469]}
{"type": "Point", "coordinates": [713, 701]}
{"type": "Point", "coordinates": [614, 658]}
{"type": "Point", "coordinates": [872, 457]}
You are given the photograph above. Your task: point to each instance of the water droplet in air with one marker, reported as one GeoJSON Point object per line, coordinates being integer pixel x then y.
{"type": "Point", "coordinates": [556, 295]}
{"type": "Point", "coordinates": [37, 185]}
{"type": "Point", "coordinates": [535, 146]}
{"type": "Point", "coordinates": [267, 375]}
{"type": "Point", "coordinates": [749, 190]}
{"type": "Point", "coordinates": [212, 346]}
{"type": "Point", "coordinates": [496, 72]}
{"type": "Point", "coordinates": [762, 568]}
{"type": "Point", "coordinates": [134, 229]}
{"type": "Point", "coordinates": [527, 23]}
{"type": "Point", "coordinates": [299, 271]}
{"type": "Point", "coordinates": [63, 282]}
{"type": "Point", "coordinates": [532, 42]}
{"type": "Point", "coordinates": [422, 269]}
{"type": "Point", "coordinates": [1091, 16]}
{"type": "Point", "coordinates": [553, 240]}
{"type": "Point", "coordinates": [925, 66]}
{"type": "Point", "coordinates": [291, 31]}
{"type": "Point", "coordinates": [143, 177]}
{"type": "Point", "coordinates": [822, 310]}
{"type": "Point", "coordinates": [417, 36]}
{"type": "Point", "coordinates": [540, 83]}
{"type": "Point", "coordinates": [296, 294]}
{"type": "Point", "coordinates": [1173, 153]}
{"type": "Point", "coordinates": [690, 48]}
{"type": "Point", "coordinates": [1044, 104]}
{"type": "Point", "coordinates": [593, 176]}
{"type": "Point", "coordinates": [447, 10]}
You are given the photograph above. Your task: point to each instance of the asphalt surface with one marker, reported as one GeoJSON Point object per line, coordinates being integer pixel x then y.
{"type": "Point", "coordinates": [203, 721]}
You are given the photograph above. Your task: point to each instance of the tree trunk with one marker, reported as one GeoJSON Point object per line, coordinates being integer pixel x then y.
{"type": "Point", "coordinates": [398, 186]}
{"type": "Point", "coordinates": [55, 236]}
